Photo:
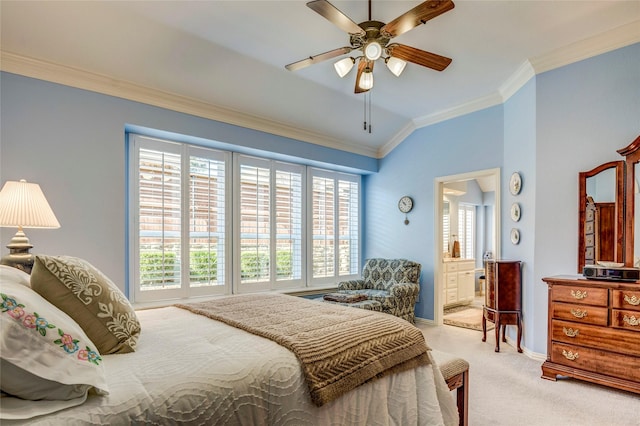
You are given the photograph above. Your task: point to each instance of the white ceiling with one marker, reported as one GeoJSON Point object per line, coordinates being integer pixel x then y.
{"type": "Point", "coordinates": [231, 55]}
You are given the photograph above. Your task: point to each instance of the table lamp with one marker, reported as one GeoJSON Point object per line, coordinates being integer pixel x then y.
{"type": "Point", "coordinates": [23, 205]}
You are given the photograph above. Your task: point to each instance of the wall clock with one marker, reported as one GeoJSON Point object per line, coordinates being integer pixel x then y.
{"type": "Point", "coordinates": [405, 205]}
{"type": "Point", "coordinates": [515, 183]}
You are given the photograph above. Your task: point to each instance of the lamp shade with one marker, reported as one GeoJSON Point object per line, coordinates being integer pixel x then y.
{"type": "Point", "coordinates": [23, 205]}
{"type": "Point", "coordinates": [343, 66]}
{"type": "Point", "coordinates": [366, 79]}
{"type": "Point", "coordinates": [395, 65]}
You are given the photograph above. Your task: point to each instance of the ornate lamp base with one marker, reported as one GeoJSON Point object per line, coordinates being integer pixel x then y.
{"type": "Point", "coordinates": [19, 256]}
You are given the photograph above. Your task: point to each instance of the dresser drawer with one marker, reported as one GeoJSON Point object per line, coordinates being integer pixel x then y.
{"type": "Point", "coordinates": [628, 320]}
{"type": "Point", "coordinates": [580, 313]}
{"type": "Point", "coordinates": [622, 341]}
{"type": "Point", "coordinates": [587, 296]}
{"type": "Point", "coordinates": [626, 299]}
{"type": "Point", "coordinates": [451, 281]}
{"type": "Point", "coordinates": [451, 267]}
{"type": "Point", "coordinates": [599, 361]}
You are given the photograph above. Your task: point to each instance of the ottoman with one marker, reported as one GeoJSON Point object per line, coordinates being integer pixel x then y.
{"type": "Point", "coordinates": [371, 305]}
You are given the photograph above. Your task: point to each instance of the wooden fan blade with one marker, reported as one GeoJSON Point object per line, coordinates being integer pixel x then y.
{"type": "Point", "coordinates": [362, 64]}
{"type": "Point", "coordinates": [416, 16]}
{"type": "Point", "coordinates": [333, 14]}
{"type": "Point", "coordinates": [318, 58]}
{"type": "Point", "coordinates": [417, 56]}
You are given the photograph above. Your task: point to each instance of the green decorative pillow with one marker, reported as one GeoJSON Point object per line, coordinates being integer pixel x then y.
{"type": "Point", "coordinates": [90, 298]}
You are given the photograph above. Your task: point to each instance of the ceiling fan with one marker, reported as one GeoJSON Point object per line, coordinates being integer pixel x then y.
{"type": "Point", "coordinates": [372, 39]}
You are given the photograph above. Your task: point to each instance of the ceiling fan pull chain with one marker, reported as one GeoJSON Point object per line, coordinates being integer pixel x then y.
{"type": "Point", "coordinates": [370, 119]}
{"type": "Point", "coordinates": [365, 112]}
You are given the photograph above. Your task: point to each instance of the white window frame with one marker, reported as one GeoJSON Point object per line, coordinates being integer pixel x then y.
{"type": "Point", "coordinates": [185, 151]}
{"type": "Point", "coordinates": [355, 268]}
{"type": "Point", "coordinates": [273, 283]}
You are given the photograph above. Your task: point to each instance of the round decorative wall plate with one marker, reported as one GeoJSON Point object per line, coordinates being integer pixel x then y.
{"type": "Point", "coordinates": [515, 212]}
{"type": "Point", "coordinates": [515, 183]}
{"type": "Point", "coordinates": [515, 236]}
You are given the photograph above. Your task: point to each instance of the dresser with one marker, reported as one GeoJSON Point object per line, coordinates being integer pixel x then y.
{"type": "Point", "coordinates": [594, 331]}
{"type": "Point", "coordinates": [503, 298]}
{"type": "Point", "coordinates": [459, 281]}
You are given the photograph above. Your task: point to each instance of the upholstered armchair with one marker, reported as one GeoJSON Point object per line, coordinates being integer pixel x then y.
{"type": "Point", "coordinates": [392, 282]}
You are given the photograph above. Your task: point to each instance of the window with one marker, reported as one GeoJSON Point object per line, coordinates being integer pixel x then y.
{"type": "Point", "coordinates": [288, 227]}
{"type": "Point", "coordinates": [270, 224]}
{"type": "Point", "coordinates": [466, 230]}
{"type": "Point", "coordinates": [180, 232]}
{"type": "Point", "coordinates": [334, 245]}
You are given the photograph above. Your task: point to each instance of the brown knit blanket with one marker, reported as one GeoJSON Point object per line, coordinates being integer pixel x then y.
{"type": "Point", "coordinates": [338, 347]}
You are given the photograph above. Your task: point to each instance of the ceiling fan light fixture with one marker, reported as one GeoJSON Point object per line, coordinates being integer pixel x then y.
{"type": "Point", "coordinates": [372, 50]}
{"type": "Point", "coordinates": [395, 65]}
{"type": "Point", "coordinates": [366, 79]}
{"type": "Point", "coordinates": [343, 66]}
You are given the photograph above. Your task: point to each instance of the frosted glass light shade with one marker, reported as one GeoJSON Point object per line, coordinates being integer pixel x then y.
{"type": "Point", "coordinates": [395, 65]}
{"type": "Point", "coordinates": [23, 205]}
{"type": "Point", "coordinates": [373, 50]}
{"type": "Point", "coordinates": [343, 66]}
{"type": "Point", "coordinates": [366, 79]}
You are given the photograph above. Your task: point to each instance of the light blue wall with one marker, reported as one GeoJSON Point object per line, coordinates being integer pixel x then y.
{"type": "Point", "coordinates": [468, 143]}
{"type": "Point", "coordinates": [72, 142]}
{"type": "Point", "coordinates": [560, 123]}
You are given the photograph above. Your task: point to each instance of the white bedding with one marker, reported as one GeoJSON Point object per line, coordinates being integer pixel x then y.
{"type": "Point", "coordinates": [189, 369]}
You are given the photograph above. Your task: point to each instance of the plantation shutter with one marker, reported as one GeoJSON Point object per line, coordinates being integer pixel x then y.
{"type": "Point", "coordinates": [255, 221]}
{"type": "Point", "coordinates": [348, 214]}
{"type": "Point", "coordinates": [466, 230]}
{"type": "Point", "coordinates": [323, 228]}
{"type": "Point", "coordinates": [207, 219]}
{"type": "Point", "coordinates": [160, 219]}
{"type": "Point", "coordinates": [288, 219]}
{"type": "Point", "coordinates": [334, 219]}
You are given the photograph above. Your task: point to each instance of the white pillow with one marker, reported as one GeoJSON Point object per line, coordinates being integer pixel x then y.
{"type": "Point", "coordinates": [14, 275]}
{"type": "Point", "coordinates": [45, 354]}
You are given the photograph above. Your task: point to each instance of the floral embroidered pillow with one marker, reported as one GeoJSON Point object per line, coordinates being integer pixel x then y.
{"type": "Point", "coordinates": [90, 298]}
{"type": "Point", "coordinates": [44, 354]}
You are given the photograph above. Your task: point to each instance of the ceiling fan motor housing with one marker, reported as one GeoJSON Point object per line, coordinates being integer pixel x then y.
{"type": "Point", "coordinates": [371, 34]}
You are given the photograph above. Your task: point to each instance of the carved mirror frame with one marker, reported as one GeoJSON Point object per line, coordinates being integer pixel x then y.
{"type": "Point", "coordinates": [632, 157]}
{"type": "Point", "coordinates": [619, 225]}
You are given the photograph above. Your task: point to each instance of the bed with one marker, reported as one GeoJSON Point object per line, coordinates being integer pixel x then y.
{"type": "Point", "coordinates": [189, 368]}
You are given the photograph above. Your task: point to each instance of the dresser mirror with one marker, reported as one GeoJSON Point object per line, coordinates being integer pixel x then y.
{"type": "Point", "coordinates": [632, 202]}
{"type": "Point", "coordinates": [601, 215]}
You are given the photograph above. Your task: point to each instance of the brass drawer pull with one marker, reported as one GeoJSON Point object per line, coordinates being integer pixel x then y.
{"type": "Point", "coordinates": [571, 356]}
{"type": "Point", "coordinates": [633, 300]}
{"type": "Point", "coordinates": [577, 294]}
{"type": "Point", "coordinates": [570, 331]}
{"type": "Point", "coordinates": [579, 313]}
{"type": "Point", "coordinates": [632, 320]}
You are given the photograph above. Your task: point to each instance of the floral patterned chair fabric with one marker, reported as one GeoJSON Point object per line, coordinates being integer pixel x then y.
{"type": "Point", "coordinates": [395, 283]}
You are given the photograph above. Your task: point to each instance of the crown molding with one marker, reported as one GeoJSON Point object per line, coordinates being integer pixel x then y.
{"type": "Point", "coordinates": [99, 83]}
{"type": "Point", "coordinates": [404, 133]}
{"type": "Point", "coordinates": [517, 80]}
{"type": "Point", "coordinates": [625, 35]}
{"type": "Point", "coordinates": [457, 111]}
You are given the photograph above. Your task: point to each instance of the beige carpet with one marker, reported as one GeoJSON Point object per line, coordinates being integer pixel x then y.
{"type": "Point", "coordinates": [505, 388]}
{"type": "Point", "coordinates": [469, 316]}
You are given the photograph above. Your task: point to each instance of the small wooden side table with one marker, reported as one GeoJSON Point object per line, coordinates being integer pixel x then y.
{"type": "Point", "coordinates": [503, 298]}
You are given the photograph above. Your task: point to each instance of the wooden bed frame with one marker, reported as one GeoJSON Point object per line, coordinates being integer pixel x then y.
{"type": "Point", "coordinates": [456, 374]}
